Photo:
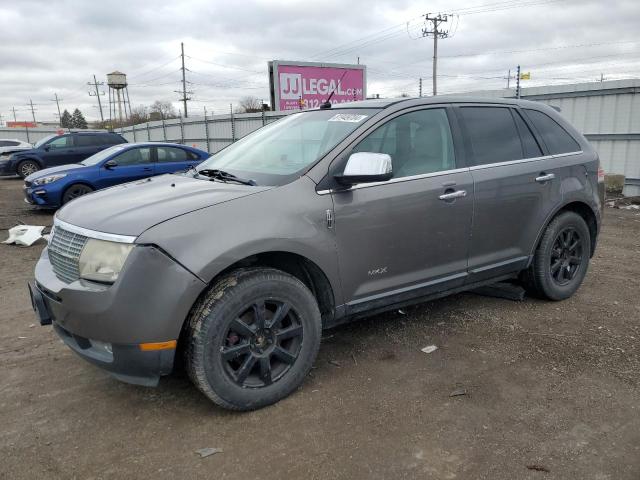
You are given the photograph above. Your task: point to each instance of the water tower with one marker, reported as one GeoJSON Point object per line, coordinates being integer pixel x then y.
{"type": "Point", "coordinates": [118, 94]}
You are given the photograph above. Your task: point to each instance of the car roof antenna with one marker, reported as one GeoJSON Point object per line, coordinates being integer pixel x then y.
{"type": "Point", "coordinates": [327, 103]}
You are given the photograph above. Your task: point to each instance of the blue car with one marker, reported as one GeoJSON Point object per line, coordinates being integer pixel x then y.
{"type": "Point", "coordinates": [55, 186]}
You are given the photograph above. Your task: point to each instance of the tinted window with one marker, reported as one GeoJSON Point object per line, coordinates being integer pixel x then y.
{"type": "Point", "coordinates": [554, 136]}
{"type": "Point", "coordinates": [419, 142]}
{"type": "Point", "coordinates": [61, 142]}
{"type": "Point", "coordinates": [529, 143]}
{"type": "Point", "coordinates": [4, 144]}
{"type": "Point", "coordinates": [111, 139]}
{"type": "Point", "coordinates": [134, 156]}
{"type": "Point", "coordinates": [171, 154]}
{"type": "Point", "coordinates": [8, 143]}
{"type": "Point", "coordinates": [86, 140]}
{"type": "Point", "coordinates": [492, 133]}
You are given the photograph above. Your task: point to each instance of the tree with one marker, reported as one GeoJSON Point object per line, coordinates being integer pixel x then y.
{"type": "Point", "coordinates": [250, 105]}
{"type": "Point", "coordinates": [162, 110]}
{"type": "Point", "coordinates": [65, 119]}
{"type": "Point", "coordinates": [77, 120]}
{"type": "Point", "coordinates": [138, 115]}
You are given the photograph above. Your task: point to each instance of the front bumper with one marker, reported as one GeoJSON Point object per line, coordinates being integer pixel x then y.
{"type": "Point", "coordinates": [38, 196]}
{"type": "Point", "coordinates": [106, 324]}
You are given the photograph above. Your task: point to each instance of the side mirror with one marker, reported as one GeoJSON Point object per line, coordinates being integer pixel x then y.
{"type": "Point", "coordinates": [47, 148]}
{"type": "Point", "coordinates": [109, 164]}
{"type": "Point", "coordinates": [366, 167]}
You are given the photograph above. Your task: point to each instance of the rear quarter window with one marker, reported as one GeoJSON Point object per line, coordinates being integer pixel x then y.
{"type": "Point", "coordinates": [553, 135]}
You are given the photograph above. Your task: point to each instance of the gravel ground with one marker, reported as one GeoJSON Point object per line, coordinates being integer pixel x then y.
{"type": "Point", "coordinates": [552, 391]}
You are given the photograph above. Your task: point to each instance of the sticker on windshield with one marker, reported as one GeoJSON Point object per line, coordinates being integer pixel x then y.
{"type": "Point", "coordinates": [347, 117]}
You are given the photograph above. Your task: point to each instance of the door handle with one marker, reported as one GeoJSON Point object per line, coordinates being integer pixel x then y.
{"type": "Point", "coordinates": [146, 169]}
{"type": "Point", "coordinates": [545, 177]}
{"type": "Point", "coordinates": [453, 195]}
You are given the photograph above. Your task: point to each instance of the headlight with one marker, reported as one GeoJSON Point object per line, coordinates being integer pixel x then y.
{"type": "Point", "coordinates": [102, 261]}
{"type": "Point", "coordinates": [49, 179]}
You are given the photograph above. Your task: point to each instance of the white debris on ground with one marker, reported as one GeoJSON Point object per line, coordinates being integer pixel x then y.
{"type": "Point", "coordinates": [429, 349]}
{"type": "Point", "coordinates": [25, 235]}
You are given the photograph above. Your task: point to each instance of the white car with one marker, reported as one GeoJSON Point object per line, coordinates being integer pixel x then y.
{"type": "Point", "coordinates": [10, 145]}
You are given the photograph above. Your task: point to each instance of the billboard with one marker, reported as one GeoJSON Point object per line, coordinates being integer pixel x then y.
{"type": "Point", "coordinates": [305, 85]}
{"type": "Point", "coordinates": [21, 124]}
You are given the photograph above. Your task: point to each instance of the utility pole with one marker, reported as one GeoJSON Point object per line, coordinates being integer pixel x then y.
{"type": "Point", "coordinates": [33, 111]}
{"type": "Point", "coordinates": [57, 100]}
{"type": "Point", "coordinates": [435, 32]}
{"type": "Point", "coordinates": [95, 85]}
{"type": "Point", "coordinates": [184, 82]}
{"type": "Point", "coordinates": [420, 87]}
{"type": "Point", "coordinates": [13, 109]}
{"type": "Point", "coordinates": [508, 79]}
{"type": "Point", "coordinates": [518, 82]}
{"type": "Point", "coordinates": [1, 119]}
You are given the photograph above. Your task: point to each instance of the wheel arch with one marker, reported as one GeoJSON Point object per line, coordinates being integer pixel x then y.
{"type": "Point", "coordinates": [585, 211]}
{"type": "Point", "coordinates": [299, 266]}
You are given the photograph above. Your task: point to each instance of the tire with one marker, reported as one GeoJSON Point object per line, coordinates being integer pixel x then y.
{"type": "Point", "coordinates": [236, 363]}
{"type": "Point", "coordinates": [561, 260]}
{"type": "Point", "coordinates": [74, 191]}
{"type": "Point", "coordinates": [27, 167]}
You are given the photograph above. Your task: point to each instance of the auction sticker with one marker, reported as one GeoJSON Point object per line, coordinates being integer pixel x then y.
{"type": "Point", "coordinates": [347, 117]}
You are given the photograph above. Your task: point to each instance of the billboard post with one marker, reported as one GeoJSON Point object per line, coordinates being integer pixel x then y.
{"type": "Point", "coordinates": [304, 85]}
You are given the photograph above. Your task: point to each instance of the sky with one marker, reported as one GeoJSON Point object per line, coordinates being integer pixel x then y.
{"type": "Point", "coordinates": [50, 48]}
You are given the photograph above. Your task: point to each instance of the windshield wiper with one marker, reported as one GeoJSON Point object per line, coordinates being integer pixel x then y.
{"type": "Point", "coordinates": [215, 174]}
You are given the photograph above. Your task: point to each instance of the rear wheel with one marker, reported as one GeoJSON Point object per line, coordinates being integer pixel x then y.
{"type": "Point", "coordinates": [27, 167]}
{"type": "Point", "coordinates": [561, 260]}
{"type": "Point", "coordinates": [74, 191]}
{"type": "Point", "coordinates": [252, 338]}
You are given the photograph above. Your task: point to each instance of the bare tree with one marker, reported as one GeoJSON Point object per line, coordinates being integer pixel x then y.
{"type": "Point", "coordinates": [250, 105]}
{"type": "Point", "coordinates": [138, 115]}
{"type": "Point", "coordinates": [160, 109]}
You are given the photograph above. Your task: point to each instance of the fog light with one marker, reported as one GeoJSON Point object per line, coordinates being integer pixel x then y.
{"type": "Point", "coordinates": [104, 346]}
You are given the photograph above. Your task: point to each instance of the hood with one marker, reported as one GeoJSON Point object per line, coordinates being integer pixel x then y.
{"type": "Point", "coordinates": [10, 150]}
{"type": "Point", "coordinates": [70, 168]}
{"type": "Point", "coordinates": [132, 208]}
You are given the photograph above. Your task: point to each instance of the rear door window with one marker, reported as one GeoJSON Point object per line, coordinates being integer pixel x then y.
{"type": "Point", "coordinates": [553, 135]}
{"type": "Point", "coordinates": [171, 154]}
{"type": "Point", "coordinates": [86, 140]}
{"type": "Point", "coordinates": [493, 134]}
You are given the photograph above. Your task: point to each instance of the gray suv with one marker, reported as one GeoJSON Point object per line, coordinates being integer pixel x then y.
{"type": "Point", "coordinates": [312, 221]}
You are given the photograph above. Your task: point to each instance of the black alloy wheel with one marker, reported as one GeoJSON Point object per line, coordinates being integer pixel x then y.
{"type": "Point", "coordinates": [566, 256]}
{"type": "Point", "coordinates": [561, 259]}
{"type": "Point", "coordinates": [252, 338]}
{"type": "Point", "coordinates": [262, 343]}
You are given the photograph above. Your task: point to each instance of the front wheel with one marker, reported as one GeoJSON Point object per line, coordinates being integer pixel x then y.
{"type": "Point", "coordinates": [252, 338]}
{"type": "Point", "coordinates": [74, 191]}
{"type": "Point", "coordinates": [561, 260]}
{"type": "Point", "coordinates": [27, 167]}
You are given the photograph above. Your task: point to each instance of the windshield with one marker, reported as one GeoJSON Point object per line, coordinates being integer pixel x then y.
{"type": "Point", "coordinates": [44, 140]}
{"type": "Point", "coordinates": [276, 153]}
{"type": "Point", "coordinates": [101, 155]}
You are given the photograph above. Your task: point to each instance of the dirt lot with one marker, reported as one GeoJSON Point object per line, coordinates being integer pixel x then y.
{"type": "Point", "coordinates": [553, 391]}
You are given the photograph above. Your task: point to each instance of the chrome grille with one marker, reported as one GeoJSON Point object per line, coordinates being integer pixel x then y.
{"type": "Point", "coordinates": [64, 253]}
